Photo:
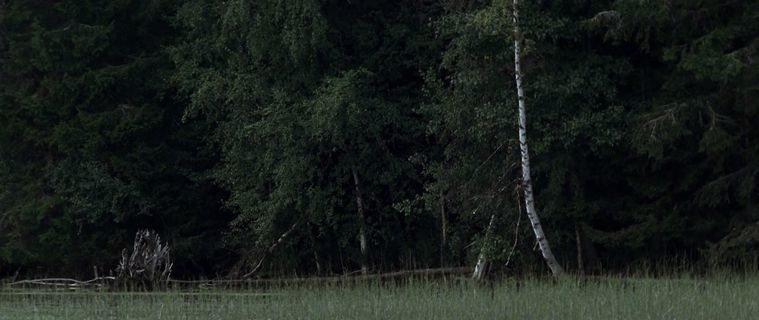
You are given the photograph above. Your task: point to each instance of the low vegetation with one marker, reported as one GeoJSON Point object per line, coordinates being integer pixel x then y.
{"type": "Point", "coordinates": [716, 297]}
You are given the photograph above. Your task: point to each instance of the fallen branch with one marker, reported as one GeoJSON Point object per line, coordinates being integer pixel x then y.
{"type": "Point", "coordinates": [74, 283]}
{"type": "Point", "coordinates": [62, 282]}
{"type": "Point", "coordinates": [334, 279]}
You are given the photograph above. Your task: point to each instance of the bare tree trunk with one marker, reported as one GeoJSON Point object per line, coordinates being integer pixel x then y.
{"type": "Point", "coordinates": [361, 221]}
{"type": "Point", "coordinates": [545, 248]}
{"type": "Point", "coordinates": [443, 236]}
{"type": "Point", "coordinates": [316, 262]}
{"type": "Point", "coordinates": [587, 255]}
{"type": "Point", "coordinates": [482, 261]}
{"type": "Point", "coordinates": [578, 242]}
{"type": "Point", "coordinates": [313, 248]}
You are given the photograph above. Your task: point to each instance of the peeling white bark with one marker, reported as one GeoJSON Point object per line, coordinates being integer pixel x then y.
{"type": "Point", "coordinates": [532, 214]}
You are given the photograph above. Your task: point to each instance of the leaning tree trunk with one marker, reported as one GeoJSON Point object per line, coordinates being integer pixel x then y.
{"type": "Point", "coordinates": [482, 260]}
{"type": "Point", "coordinates": [270, 250]}
{"type": "Point", "coordinates": [545, 248]}
{"type": "Point", "coordinates": [361, 221]}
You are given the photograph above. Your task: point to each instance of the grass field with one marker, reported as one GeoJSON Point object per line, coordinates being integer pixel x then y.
{"type": "Point", "coordinates": [630, 298]}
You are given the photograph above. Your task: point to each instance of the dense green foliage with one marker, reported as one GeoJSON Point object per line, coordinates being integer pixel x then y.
{"type": "Point", "coordinates": [225, 124]}
{"type": "Point", "coordinates": [92, 143]}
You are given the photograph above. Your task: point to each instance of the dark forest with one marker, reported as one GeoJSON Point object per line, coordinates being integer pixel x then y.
{"type": "Point", "coordinates": [267, 138]}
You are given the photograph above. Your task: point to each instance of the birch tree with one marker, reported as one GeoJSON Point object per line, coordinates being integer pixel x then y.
{"type": "Point", "coordinates": [529, 198]}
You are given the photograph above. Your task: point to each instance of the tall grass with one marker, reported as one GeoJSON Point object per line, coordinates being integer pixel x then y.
{"type": "Point", "coordinates": [717, 297]}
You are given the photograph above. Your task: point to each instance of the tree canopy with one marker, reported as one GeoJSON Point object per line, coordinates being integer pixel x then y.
{"type": "Point", "coordinates": [234, 127]}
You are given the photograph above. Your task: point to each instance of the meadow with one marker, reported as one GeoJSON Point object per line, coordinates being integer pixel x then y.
{"type": "Point", "coordinates": [718, 297]}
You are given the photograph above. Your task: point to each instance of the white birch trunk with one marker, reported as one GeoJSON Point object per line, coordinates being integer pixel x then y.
{"type": "Point", "coordinates": [532, 214]}
{"type": "Point", "coordinates": [361, 221]}
{"type": "Point", "coordinates": [482, 261]}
